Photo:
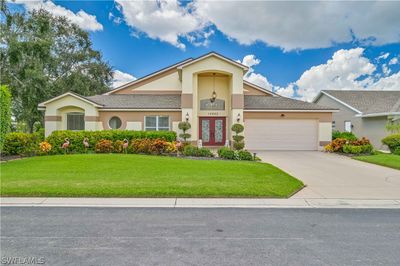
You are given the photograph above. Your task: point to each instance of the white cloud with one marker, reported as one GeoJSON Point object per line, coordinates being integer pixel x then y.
{"type": "Point", "coordinates": [346, 70]}
{"type": "Point", "coordinates": [383, 56]}
{"type": "Point", "coordinates": [256, 78]}
{"type": "Point", "coordinates": [167, 21]}
{"type": "Point", "coordinates": [120, 78]}
{"type": "Point", "coordinates": [394, 61]}
{"type": "Point", "coordinates": [81, 18]}
{"type": "Point", "coordinates": [306, 24]}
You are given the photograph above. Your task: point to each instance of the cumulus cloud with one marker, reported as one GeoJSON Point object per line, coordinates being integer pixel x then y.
{"type": "Point", "coordinates": [304, 25]}
{"type": "Point", "coordinates": [120, 78]}
{"type": "Point", "coordinates": [81, 18]}
{"type": "Point", "coordinates": [346, 70]}
{"type": "Point", "coordinates": [383, 56]}
{"type": "Point", "coordinates": [165, 20]}
{"type": "Point", "coordinates": [256, 78]}
{"type": "Point", "coordinates": [394, 61]}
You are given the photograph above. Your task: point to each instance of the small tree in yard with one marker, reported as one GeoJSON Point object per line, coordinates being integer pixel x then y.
{"type": "Point", "coordinates": [5, 113]}
{"type": "Point", "coordinates": [184, 126]}
{"type": "Point", "coordinates": [238, 143]}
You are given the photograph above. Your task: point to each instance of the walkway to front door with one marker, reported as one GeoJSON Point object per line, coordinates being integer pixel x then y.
{"type": "Point", "coordinates": [212, 131]}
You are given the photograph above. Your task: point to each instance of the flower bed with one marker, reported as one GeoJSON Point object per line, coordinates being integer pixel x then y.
{"type": "Point", "coordinates": [346, 146]}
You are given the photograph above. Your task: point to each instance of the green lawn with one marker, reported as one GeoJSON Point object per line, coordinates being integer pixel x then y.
{"type": "Point", "coordinates": [119, 175]}
{"type": "Point", "coordinates": [389, 160]}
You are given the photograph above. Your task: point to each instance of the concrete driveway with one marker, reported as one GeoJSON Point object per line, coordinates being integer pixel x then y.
{"type": "Point", "coordinates": [334, 176]}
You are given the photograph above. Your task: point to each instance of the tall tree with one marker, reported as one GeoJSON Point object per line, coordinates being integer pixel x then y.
{"type": "Point", "coordinates": [43, 56]}
{"type": "Point", "coordinates": [5, 113]}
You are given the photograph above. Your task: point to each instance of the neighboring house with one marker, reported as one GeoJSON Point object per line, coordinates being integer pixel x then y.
{"type": "Point", "coordinates": [363, 112]}
{"type": "Point", "coordinates": [211, 94]}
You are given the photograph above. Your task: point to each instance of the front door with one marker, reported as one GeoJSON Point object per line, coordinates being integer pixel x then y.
{"type": "Point", "coordinates": [212, 131]}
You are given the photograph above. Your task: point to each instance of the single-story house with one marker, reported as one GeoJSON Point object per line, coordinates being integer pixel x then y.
{"type": "Point", "coordinates": [211, 94]}
{"type": "Point", "coordinates": [365, 113]}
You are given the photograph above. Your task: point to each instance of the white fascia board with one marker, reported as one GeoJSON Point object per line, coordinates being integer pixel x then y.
{"type": "Point", "coordinates": [230, 61]}
{"type": "Point", "coordinates": [43, 104]}
{"type": "Point", "coordinates": [378, 114]}
{"type": "Point", "coordinates": [291, 111]}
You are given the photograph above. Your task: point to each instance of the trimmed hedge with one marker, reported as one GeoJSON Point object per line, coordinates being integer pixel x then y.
{"type": "Point", "coordinates": [24, 144]}
{"type": "Point", "coordinates": [392, 141]}
{"type": "Point", "coordinates": [362, 149]}
{"type": "Point", "coordinates": [229, 154]}
{"type": "Point", "coordinates": [56, 139]}
{"type": "Point", "coordinates": [190, 150]}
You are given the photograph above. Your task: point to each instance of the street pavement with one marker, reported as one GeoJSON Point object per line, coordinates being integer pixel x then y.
{"type": "Point", "coordinates": [201, 236]}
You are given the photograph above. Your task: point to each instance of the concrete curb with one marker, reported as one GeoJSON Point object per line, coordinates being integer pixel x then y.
{"type": "Point", "coordinates": [200, 203]}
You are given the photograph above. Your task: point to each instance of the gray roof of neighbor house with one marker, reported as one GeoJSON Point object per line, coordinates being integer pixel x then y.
{"type": "Point", "coordinates": [260, 102]}
{"type": "Point", "coordinates": [137, 101]}
{"type": "Point", "coordinates": [368, 102]}
{"type": "Point", "coordinates": [145, 101]}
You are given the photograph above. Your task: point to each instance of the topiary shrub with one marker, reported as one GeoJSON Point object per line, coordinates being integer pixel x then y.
{"type": "Point", "coordinates": [343, 135]}
{"type": "Point", "coordinates": [104, 146]}
{"type": "Point", "coordinates": [392, 141]}
{"type": "Point", "coordinates": [238, 143]}
{"type": "Point", "coordinates": [184, 126]}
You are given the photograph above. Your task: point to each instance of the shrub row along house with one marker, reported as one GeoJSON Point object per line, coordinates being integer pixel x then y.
{"type": "Point", "coordinates": [211, 94]}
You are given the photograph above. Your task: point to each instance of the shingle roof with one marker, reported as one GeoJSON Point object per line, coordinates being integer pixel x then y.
{"type": "Point", "coordinates": [137, 101]}
{"type": "Point", "coordinates": [369, 102]}
{"type": "Point", "coordinates": [260, 102]}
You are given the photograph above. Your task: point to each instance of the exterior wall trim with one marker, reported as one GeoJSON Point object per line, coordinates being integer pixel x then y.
{"type": "Point", "coordinates": [92, 118]}
{"type": "Point", "coordinates": [43, 104]}
{"type": "Point", "coordinates": [378, 114]}
{"type": "Point", "coordinates": [216, 55]}
{"type": "Point", "coordinates": [52, 118]}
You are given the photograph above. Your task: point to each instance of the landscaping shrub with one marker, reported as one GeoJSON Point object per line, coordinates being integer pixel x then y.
{"type": "Point", "coordinates": [56, 139]}
{"type": "Point", "coordinates": [343, 135]}
{"type": "Point", "coordinates": [357, 149]}
{"type": "Point", "coordinates": [25, 144]}
{"type": "Point", "coordinates": [226, 153]}
{"type": "Point", "coordinates": [245, 155]}
{"type": "Point", "coordinates": [397, 151]}
{"type": "Point", "coordinates": [392, 141]}
{"type": "Point", "coordinates": [158, 146]}
{"type": "Point", "coordinates": [184, 126]}
{"type": "Point", "coordinates": [238, 143]}
{"type": "Point", "coordinates": [141, 146]}
{"type": "Point", "coordinates": [44, 147]}
{"type": "Point", "coordinates": [104, 146]}
{"type": "Point", "coordinates": [337, 144]}
{"type": "Point", "coordinates": [152, 146]}
{"type": "Point", "coordinates": [191, 150]}
{"type": "Point", "coordinates": [5, 113]}
{"type": "Point", "coordinates": [118, 146]}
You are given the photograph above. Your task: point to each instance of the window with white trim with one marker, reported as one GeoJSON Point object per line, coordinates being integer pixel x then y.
{"type": "Point", "coordinates": [156, 123]}
{"type": "Point", "coordinates": [76, 121]}
{"type": "Point", "coordinates": [348, 126]}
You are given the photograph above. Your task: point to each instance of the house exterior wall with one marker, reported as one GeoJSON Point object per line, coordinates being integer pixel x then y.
{"type": "Point", "coordinates": [56, 113]}
{"type": "Point", "coordinates": [167, 82]}
{"type": "Point", "coordinates": [134, 120]}
{"type": "Point", "coordinates": [371, 127]}
{"type": "Point", "coordinates": [248, 90]}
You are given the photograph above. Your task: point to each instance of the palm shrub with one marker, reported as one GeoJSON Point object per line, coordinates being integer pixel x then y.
{"type": "Point", "coordinates": [184, 126]}
{"type": "Point", "coordinates": [238, 143]}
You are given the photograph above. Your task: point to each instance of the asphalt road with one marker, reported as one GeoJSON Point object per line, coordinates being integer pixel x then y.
{"type": "Point", "coordinates": [150, 236]}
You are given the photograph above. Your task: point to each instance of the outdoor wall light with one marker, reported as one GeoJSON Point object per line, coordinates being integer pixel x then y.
{"type": "Point", "coordinates": [187, 117]}
{"type": "Point", "coordinates": [238, 117]}
{"type": "Point", "coordinates": [214, 94]}
{"type": "Point", "coordinates": [282, 115]}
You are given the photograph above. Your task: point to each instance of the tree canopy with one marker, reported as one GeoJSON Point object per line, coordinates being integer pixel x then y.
{"type": "Point", "coordinates": [43, 56]}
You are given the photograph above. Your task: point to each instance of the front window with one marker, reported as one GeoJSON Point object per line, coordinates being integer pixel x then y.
{"type": "Point", "coordinates": [347, 126]}
{"type": "Point", "coordinates": [76, 121]}
{"type": "Point", "coordinates": [114, 122]}
{"type": "Point", "coordinates": [156, 123]}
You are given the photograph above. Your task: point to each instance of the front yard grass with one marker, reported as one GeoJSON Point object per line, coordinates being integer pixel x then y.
{"type": "Point", "coordinates": [384, 159]}
{"type": "Point", "coordinates": [120, 175]}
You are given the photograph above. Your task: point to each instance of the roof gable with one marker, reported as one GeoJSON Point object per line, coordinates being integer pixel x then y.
{"type": "Point", "coordinates": [214, 54]}
{"type": "Point", "coordinates": [80, 97]}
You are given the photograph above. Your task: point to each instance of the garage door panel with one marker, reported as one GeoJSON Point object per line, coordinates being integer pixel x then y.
{"type": "Point", "coordinates": [270, 134]}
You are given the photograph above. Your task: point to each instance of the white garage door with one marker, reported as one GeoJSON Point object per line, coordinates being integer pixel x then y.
{"type": "Point", "coordinates": [270, 134]}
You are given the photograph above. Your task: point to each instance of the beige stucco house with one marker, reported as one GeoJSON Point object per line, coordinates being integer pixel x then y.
{"type": "Point", "coordinates": [211, 94]}
{"type": "Point", "coordinates": [365, 113]}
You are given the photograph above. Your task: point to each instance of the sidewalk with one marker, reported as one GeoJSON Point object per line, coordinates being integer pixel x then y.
{"type": "Point", "coordinates": [201, 203]}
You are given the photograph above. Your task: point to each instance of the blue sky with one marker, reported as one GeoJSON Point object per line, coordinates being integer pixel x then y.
{"type": "Point", "coordinates": [281, 42]}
